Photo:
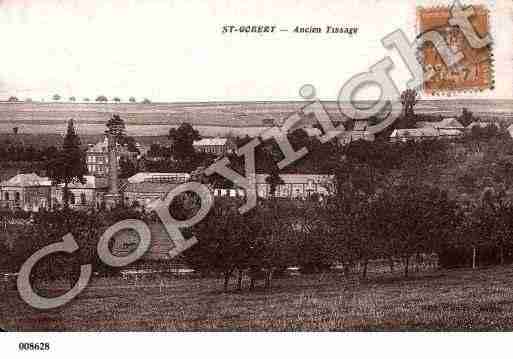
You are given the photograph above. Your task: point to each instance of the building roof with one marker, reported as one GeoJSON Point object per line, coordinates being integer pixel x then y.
{"type": "Point", "coordinates": [449, 122]}
{"type": "Point", "coordinates": [312, 131]}
{"type": "Point", "coordinates": [217, 141]}
{"type": "Point", "coordinates": [415, 132]}
{"type": "Point", "coordinates": [157, 176]}
{"type": "Point", "coordinates": [449, 132]}
{"type": "Point", "coordinates": [150, 187]}
{"type": "Point", "coordinates": [510, 130]}
{"type": "Point", "coordinates": [424, 132]}
{"type": "Point", "coordinates": [103, 147]}
{"type": "Point", "coordinates": [26, 180]}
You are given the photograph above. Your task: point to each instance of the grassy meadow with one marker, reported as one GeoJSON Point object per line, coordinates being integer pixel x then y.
{"type": "Point", "coordinates": [433, 300]}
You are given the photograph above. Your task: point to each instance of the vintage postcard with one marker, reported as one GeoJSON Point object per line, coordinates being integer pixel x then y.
{"type": "Point", "coordinates": [217, 166]}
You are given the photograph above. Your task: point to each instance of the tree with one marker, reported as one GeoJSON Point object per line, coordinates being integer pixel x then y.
{"type": "Point", "coordinates": [127, 168]}
{"type": "Point", "coordinates": [69, 165]}
{"type": "Point", "coordinates": [116, 127]}
{"type": "Point", "coordinates": [223, 241]}
{"type": "Point", "coordinates": [102, 98]}
{"type": "Point", "coordinates": [182, 139]}
{"type": "Point", "coordinates": [146, 101]}
{"type": "Point", "coordinates": [13, 99]}
{"type": "Point", "coordinates": [56, 97]}
{"type": "Point", "coordinates": [409, 99]}
{"type": "Point", "coordinates": [116, 99]}
{"type": "Point", "coordinates": [467, 117]}
{"type": "Point", "coordinates": [417, 220]}
{"type": "Point", "coordinates": [132, 99]}
{"type": "Point", "coordinates": [274, 180]}
{"type": "Point", "coordinates": [87, 99]}
{"type": "Point", "coordinates": [72, 99]}
{"type": "Point", "coordinates": [28, 99]}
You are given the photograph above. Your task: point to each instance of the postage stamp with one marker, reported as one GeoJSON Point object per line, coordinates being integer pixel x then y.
{"type": "Point", "coordinates": [474, 72]}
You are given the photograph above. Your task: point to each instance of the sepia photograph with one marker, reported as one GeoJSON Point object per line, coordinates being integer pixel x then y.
{"type": "Point", "coordinates": [221, 166]}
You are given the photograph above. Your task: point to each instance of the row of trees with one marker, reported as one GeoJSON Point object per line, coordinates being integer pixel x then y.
{"type": "Point", "coordinates": [316, 236]}
{"type": "Point", "coordinates": [19, 152]}
{"type": "Point", "coordinates": [349, 231]}
{"type": "Point", "coordinates": [100, 98]}
{"type": "Point", "coordinates": [403, 225]}
{"type": "Point", "coordinates": [18, 243]}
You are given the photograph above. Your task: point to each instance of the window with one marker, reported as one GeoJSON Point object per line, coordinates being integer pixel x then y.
{"type": "Point", "coordinates": [82, 198]}
{"type": "Point", "coordinates": [71, 198]}
{"type": "Point", "coordinates": [6, 196]}
{"type": "Point", "coordinates": [17, 196]}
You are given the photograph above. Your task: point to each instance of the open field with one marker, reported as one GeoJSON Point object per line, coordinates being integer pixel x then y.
{"type": "Point", "coordinates": [47, 140]}
{"type": "Point", "coordinates": [210, 118]}
{"type": "Point", "coordinates": [438, 300]}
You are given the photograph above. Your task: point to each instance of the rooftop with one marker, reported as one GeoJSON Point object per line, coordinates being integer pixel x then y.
{"type": "Point", "coordinates": [450, 122]}
{"type": "Point", "coordinates": [26, 180]}
{"type": "Point", "coordinates": [217, 141]}
{"type": "Point", "coordinates": [424, 132]}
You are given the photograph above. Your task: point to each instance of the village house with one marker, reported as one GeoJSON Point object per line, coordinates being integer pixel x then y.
{"type": "Point", "coordinates": [97, 157]}
{"type": "Point", "coordinates": [83, 195]}
{"type": "Point", "coordinates": [28, 192]}
{"type": "Point", "coordinates": [216, 146]}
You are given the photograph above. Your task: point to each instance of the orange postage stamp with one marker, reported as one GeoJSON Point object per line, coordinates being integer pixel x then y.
{"type": "Point", "coordinates": [474, 72]}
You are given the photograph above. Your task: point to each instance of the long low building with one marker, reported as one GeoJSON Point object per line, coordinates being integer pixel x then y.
{"type": "Point", "coordinates": [215, 146]}
{"type": "Point", "coordinates": [425, 133]}
{"type": "Point", "coordinates": [160, 177]}
{"type": "Point", "coordinates": [295, 186]}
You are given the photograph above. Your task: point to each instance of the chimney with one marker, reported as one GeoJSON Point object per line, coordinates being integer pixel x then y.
{"type": "Point", "coordinates": [113, 165]}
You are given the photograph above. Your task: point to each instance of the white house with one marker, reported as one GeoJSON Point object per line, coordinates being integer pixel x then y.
{"type": "Point", "coordinates": [26, 191]}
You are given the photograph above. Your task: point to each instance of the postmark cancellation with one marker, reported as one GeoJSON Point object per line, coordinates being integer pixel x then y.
{"type": "Point", "coordinates": [474, 72]}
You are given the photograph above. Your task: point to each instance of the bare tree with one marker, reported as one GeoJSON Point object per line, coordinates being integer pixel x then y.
{"type": "Point", "coordinates": [409, 99]}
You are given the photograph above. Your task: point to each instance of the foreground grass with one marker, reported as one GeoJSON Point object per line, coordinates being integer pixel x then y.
{"type": "Point", "coordinates": [439, 300]}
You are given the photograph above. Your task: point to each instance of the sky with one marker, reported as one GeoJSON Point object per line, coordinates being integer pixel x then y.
{"type": "Point", "coordinates": [174, 50]}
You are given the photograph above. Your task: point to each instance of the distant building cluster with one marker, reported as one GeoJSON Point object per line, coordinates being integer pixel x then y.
{"type": "Point", "coordinates": [447, 128]}
{"type": "Point", "coordinates": [31, 192]}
